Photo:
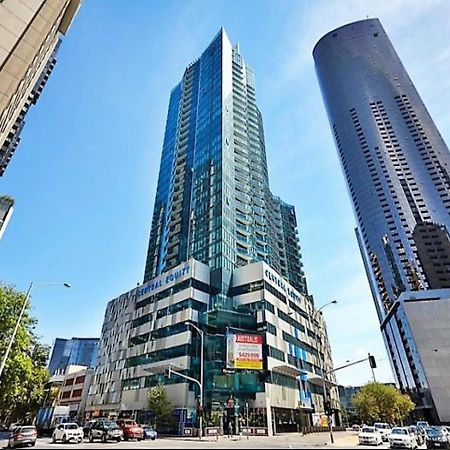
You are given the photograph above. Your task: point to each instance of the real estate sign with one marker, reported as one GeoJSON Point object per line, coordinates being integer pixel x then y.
{"type": "Point", "coordinates": [244, 351]}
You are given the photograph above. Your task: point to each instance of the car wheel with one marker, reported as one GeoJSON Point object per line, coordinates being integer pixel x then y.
{"type": "Point", "coordinates": [103, 437]}
{"type": "Point", "coordinates": [64, 439]}
{"type": "Point", "coordinates": [80, 440]}
{"type": "Point", "coordinates": [91, 438]}
{"type": "Point", "coordinates": [153, 438]}
{"type": "Point", "coordinates": [125, 438]}
{"type": "Point", "coordinates": [53, 439]}
{"type": "Point", "coordinates": [119, 439]}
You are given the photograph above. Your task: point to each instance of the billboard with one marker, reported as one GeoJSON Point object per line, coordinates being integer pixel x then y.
{"type": "Point", "coordinates": [244, 351]}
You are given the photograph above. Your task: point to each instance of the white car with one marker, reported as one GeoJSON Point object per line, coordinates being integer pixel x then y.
{"type": "Point", "coordinates": [384, 429]}
{"type": "Point", "coordinates": [402, 437]}
{"type": "Point", "coordinates": [67, 432]}
{"type": "Point", "coordinates": [370, 436]}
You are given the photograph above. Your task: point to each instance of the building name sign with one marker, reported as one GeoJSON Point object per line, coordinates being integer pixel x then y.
{"type": "Point", "coordinates": [278, 281]}
{"type": "Point", "coordinates": [162, 281]}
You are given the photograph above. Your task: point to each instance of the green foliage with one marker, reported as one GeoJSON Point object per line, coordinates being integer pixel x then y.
{"type": "Point", "coordinates": [25, 375]}
{"type": "Point", "coordinates": [159, 404]}
{"type": "Point", "coordinates": [378, 402]}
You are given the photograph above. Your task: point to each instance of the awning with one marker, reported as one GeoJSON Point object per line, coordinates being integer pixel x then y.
{"type": "Point", "coordinates": [288, 370]}
{"type": "Point", "coordinates": [318, 381]}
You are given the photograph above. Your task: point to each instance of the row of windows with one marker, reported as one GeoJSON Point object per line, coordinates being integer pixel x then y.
{"type": "Point", "coordinates": [161, 355]}
{"type": "Point", "coordinates": [282, 380]}
{"type": "Point", "coordinates": [159, 333]}
{"type": "Point", "coordinates": [172, 309]}
{"type": "Point", "coordinates": [196, 284]}
{"type": "Point", "coordinates": [287, 318]}
{"type": "Point", "coordinates": [275, 353]}
{"type": "Point", "coordinates": [297, 342]}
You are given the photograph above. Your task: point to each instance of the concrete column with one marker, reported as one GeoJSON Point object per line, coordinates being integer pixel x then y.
{"type": "Point", "coordinates": [270, 429]}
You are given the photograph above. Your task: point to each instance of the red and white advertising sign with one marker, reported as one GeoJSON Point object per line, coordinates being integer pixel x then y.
{"type": "Point", "coordinates": [244, 351]}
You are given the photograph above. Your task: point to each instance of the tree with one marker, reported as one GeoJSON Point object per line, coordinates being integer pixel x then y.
{"type": "Point", "coordinates": [404, 407]}
{"type": "Point", "coordinates": [25, 374]}
{"type": "Point", "coordinates": [377, 402]}
{"type": "Point", "coordinates": [160, 405]}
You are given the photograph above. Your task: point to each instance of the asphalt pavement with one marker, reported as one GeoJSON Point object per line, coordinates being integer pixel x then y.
{"type": "Point", "coordinates": [343, 440]}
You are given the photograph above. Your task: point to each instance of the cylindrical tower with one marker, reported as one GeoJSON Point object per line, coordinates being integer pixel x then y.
{"type": "Point", "coordinates": [396, 166]}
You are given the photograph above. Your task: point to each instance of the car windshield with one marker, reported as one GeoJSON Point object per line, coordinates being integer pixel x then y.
{"type": "Point", "coordinates": [129, 422]}
{"type": "Point", "coordinates": [368, 430]}
{"type": "Point", "coordinates": [71, 426]}
{"type": "Point", "coordinates": [382, 426]}
{"type": "Point", "coordinates": [434, 432]}
{"type": "Point", "coordinates": [399, 431]}
{"type": "Point", "coordinates": [27, 429]}
{"type": "Point", "coordinates": [111, 425]}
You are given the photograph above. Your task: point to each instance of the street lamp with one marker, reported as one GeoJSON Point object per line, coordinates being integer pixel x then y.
{"type": "Point", "coordinates": [201, 334]}
{"type": "Point", "coordinates": [11, 340]}
{"type": "Point", "coordinates": [321, 362]}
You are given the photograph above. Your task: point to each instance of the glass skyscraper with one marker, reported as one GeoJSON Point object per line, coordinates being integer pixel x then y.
{"type": "Point", "coordinates": [75, 351]}
{"type": "Point", "coordinates": [213, 201]}
{"type": "Point", "coordinates": [223, 256]}
{"type": "Point", "coordinates": [396, 166]}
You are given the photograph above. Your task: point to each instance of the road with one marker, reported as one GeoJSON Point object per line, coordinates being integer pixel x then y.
{"type": "Point", "coordinates": [343, 440]}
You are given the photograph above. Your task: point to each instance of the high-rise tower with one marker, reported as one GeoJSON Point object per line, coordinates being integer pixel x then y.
{"type": "Point", "coordinates": [30, 34]}
{"type": "Point", "coordinates": [213, 201]}
{"type": "Point", "coordinates": [396, 165]}
{"type": "Point", "coordinates": [224, 298]}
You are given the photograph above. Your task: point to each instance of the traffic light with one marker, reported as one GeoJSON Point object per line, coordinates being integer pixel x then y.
{"type": "Point", "coordinates": [372, 362]}
{"type": "Point", "coordinates": [327, 407]}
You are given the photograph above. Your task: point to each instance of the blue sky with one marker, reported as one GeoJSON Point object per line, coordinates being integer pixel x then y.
{"type": "Point", "coordinates": [84, 176]}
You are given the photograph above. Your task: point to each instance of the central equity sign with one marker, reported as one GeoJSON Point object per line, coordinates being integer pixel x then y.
{"type": "Point", "coordinates": [278, 281]}
{"type": "Point", "coordinates": [162, 280]}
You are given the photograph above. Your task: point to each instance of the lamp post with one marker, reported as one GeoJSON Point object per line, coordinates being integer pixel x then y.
{"type": "Point", "coordinates": [13, 336]}
{"type": "Point", "coordinates": [322, 364]}
{"type": "Point", "coordinates": [201, 334]}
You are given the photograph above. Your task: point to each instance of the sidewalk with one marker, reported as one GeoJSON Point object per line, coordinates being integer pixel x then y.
{"type": "Point", "coordinates": [341, 439]}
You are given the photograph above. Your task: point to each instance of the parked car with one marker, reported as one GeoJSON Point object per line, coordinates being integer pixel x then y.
{"type": "Point", "coordinates": [420, 434]}
{"type": "Point", "coordinates": [384, 429]}
{"type": "Point", "coordinates": [105, 430]}
{"type": "Point", "coordinates": [149, 432]}
{"type": "Point", "coordinates": [87, 427]}
{"type": "Point", "coordinates": [370, 436]}
{"type": "Point", "coordinates": [402, 437]}
{"type": "Point", "coordinates": [23, 435]}
{"type": "Point", "coordinates": [67, 432]}
{"type": "Point", "coordinates": [437, 437]}
{"type": "Point", "coordinates": [422, 424]}
{"type": "Point", "coordinates": [130, 429]}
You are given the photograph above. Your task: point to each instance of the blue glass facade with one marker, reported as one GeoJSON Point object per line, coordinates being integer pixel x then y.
{"type": "Point", "coordinates": [213, 201]}
{"type": "Point", "coordinates": [396, 166]}
{"type": "Point", "coordinates": [75, 351]}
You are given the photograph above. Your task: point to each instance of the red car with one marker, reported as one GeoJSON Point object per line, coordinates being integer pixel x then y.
{"type": "Point", "coordinates": [130, 429]}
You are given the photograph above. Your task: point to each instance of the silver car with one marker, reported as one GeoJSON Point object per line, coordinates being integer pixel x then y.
{"type": "Point", "coordinates": [23, 435]}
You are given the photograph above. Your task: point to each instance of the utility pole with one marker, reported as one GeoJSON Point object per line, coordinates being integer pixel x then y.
{"type": "Point", "coordinates": [246, 413]}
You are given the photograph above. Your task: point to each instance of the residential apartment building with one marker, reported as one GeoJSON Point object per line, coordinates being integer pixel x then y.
{"type": "Point", "coordinates": [30, 34]}
{"type": "Point", "coordinates": [223, 256]}
{"type": "Point", "coordinates": [396, 166]}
